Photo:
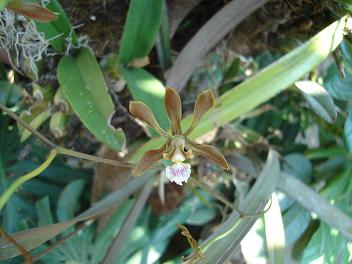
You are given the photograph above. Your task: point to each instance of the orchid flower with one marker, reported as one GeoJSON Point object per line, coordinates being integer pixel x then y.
{"type": "Point", "coordinates": [178, 147]}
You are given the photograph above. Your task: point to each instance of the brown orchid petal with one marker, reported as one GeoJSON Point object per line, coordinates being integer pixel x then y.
{"type": "Point", "coordinates": [142, 112]}
{"type": "Point", "coordinates": [174, 110]}
{"type": "Point", "coordinates": [148, 159]}
{"type": "Point", "coordinates": [211, 153]}
{"type": "Point", "coordinates": [204, 102]}
{"type": "Point", "coordinates": [33, 11]}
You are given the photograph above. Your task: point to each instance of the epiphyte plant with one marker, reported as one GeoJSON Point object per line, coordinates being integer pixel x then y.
{"type": "Point", "coordinates": [178, 147]}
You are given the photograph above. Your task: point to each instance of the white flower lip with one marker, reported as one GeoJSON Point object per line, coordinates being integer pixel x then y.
{"type": "Point", "coordinates": [178, 172]}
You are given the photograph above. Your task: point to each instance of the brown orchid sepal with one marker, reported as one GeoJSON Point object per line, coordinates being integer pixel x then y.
{"type": "Point", "coordinates": [178, 147]}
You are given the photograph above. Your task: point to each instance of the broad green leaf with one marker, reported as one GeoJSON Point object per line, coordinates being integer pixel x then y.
{"type": "Point", "coordinates": [84, 86]}
{"type": "Point", "coordinates": [44, 213]}
{"type": "Point", "coordinates": [296, 220]}
{"type": "Point", "coordinates": [146, 88]}
{"type": "Point", "coordinates": [321, 153]}
{"type": "Point", "coordinates": [68, 200]}
{"type": "Point", "coordinates": [219, 247]}
{"type": "Point", "coordinates": [265, 84]}
{"type": "Point", "coordinates": [202, 216]}
{"type": "Point", "coordinates": [328, 245]}
{"type": "Point", "coordinates": [59, 32]}
{"type": "Point", "coordinates": [299, 166]}
{"type": "Point", "coordinates": [348, 129]}
{"type": "Point", "coordinates": [141, 28]}
{"type": "Point", "coordinates": [328, 169]}
{"type": "Point", "coordinates": [232, 70]}
{"type": "Point", "coordinates": [34, 237]}
{"type": "Point", "coordinates": [274, 232]}
{"type": "Point", "coordinates": [319, 100]}
{"type": "Point", "coordinates": [9, 93]}
{"type": "Point", "coordinates": [346, 52]}
{"type": "Point", "coordinates": [3, 3]}
{"type": "Point", "coordinates": [338, 88]}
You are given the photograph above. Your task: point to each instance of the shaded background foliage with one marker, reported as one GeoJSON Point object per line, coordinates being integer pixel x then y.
{"type": "Point", "coordinates": [132, 46]}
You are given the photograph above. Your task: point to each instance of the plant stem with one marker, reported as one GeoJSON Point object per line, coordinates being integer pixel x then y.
{"type": "Point", "coordinates": [13, 187]}
{"type": "Point", "coordinates": [67, 152]}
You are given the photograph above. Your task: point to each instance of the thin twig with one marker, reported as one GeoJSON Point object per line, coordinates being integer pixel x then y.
{"type": "Point", "coordinates": [224, 200]}
{"type": "Point", "coordinates": [28, 127]}
{"type": "Point", "coordinates": [20, 248]}
{"type": "Point", "coordinates": [68, 152]}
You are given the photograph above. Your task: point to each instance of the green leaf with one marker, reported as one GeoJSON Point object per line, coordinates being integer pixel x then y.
{"type": "Point", "coordinates": [9, 93]}
{"type": "Point", "coordinates": [338, 88]}
{"type": "Point", "coordinates": [319, 100]}
{"type": "Point", "coordinates": [265, 84]}
{"type": "Point", "coordinates": [219, 247]}
{"type": "Point", "coordinates": [84, 86]}
{"type": "Point", "coordinates": [163, 42]}
{"type": "Point", "coordinates": [328, 245]}
{"type": "Point", "coordinates": [68, 200]}
{"type": "Point", "coordinates": [232, 70]}
{"type": "Point", "coordinates": [202, 215]}
{"type": "Point", "coordinates": [348, 129]}
{"type": "Point", "coordinates": [296, 220]}
{"type": "Point", "coordinates": [34, 237]}
{"type": "Point", "coordinates": [274, 233]}
{"type": "Point", "coordinates": [59, 30]}
{"type": "Point", "coordinates": [146, 88]}
{"type": "Point", "coordinates": [141, 28]}
{"type": "Point", "coordinates": [3, 3]}
{"type": "Point", "coordinates": [44, 212]}
{"type": "Point", "coordinates": [299, 166]}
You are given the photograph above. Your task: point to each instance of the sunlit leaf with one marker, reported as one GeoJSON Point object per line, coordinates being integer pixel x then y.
{"type": "Point", "coordinates": [219, 247]}
{"type": "Point", "coordinates": [319, 99]}
{"type": "Point", "coordinates": [274, 232]}
{"type": "Point", "coordinates": [146, 88]}
{"type": "Point", "coordinates": [265, 84]}
{"type": "Point", "coordinates": [141, 28]}
{"type": "Point", "coordinates": [84, 86]}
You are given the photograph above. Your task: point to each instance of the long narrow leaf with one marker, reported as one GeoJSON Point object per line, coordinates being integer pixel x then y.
{"type": "Point", "coordinates": [142, 25]}
{"type": "Point", "coordinates": [219, 247]}
{"type": "Point", "coordinates": [129, 223]}
{"type": "Point", "coordinates": [207, 37]}
{"type": "Point", "coordinates": [146, 88]}
{"type": "Point", "coordinates": [34, 237]}
{"type": "Point", "coordinates": [274, 233]}
{"type": "Point", "coordinates": [265, 84]}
